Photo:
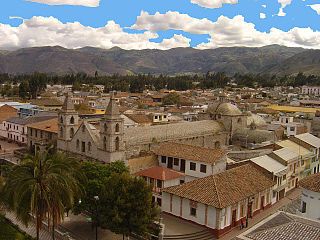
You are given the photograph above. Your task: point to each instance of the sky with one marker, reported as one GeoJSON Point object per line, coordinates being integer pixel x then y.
{"type": "Point", "coordinates": [159, 24]}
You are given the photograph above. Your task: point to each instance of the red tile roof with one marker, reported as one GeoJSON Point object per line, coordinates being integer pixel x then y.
{"type": "Point", "coordinates": [160, 173]}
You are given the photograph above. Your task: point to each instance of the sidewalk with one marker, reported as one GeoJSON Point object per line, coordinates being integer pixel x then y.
{"type": "Point", "coordinates": [31, 229]}
{"type": "Point", "coordinates": [292, 196]}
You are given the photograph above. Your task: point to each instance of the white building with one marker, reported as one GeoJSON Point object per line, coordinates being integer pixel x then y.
{"type": "Point", "coordinates": [160, 177]}
{"type": "Point", "coordinates": [311, 90]}
{"type": "Point", "coordinates": [15, 129]}
{"type": "Point", "coordinates": [222, 201]}
{"type": "Point", "coordinates": [194, 162]}
{"type": "Point", "coordinates": [310, 198]}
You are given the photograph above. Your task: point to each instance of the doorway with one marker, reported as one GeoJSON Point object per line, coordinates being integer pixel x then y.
{"type": "Point", "coordinates": [234, 218]}
{"type": "Point", "coordinates": [183, 165]}
{"type": "Point", "coordinates": [262, 203]}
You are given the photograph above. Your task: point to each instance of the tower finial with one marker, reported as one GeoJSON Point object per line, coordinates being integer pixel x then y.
{"type": "Point", "coordinates": [68, 104]}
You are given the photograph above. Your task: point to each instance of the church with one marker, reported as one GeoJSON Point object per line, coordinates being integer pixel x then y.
{"type": "Point", "coordinates": [109, 141]}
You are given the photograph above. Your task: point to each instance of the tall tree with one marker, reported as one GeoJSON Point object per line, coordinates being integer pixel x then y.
{"type": "Point", "coordinates": [44, 186]}
{"type": "Point", "coordinates": [125, 206]}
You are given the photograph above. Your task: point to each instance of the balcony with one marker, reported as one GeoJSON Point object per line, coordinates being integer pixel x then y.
{"type": "Point", "coordinates": [281, 187]}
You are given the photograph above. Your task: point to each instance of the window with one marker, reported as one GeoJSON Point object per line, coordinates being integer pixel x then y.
{"type": "Point", "coordinates": [117, 144]}
{"type": "Point", "coordinates": [291, 129]}
{"type": "Point", "coordinates": [241, 210]}
{"type": "Point", "coordinates": [117, 128]}
{"type": "Point", "coordinates": [105, 127]}
{"type": "Point", "coordinates": [61, 119]}
{"type": "Point", "coordinates": [193, 211]}
{"type": "Point", "coordinates": [83, 147]}
{"type": "Point", "coordinates": [181, 181]}
{"type": "Point", "coordinates": [192, 166]}
{"type": "Point", "coordinates": [217, 144]}
{"type": "Point", "coordinates": [83, 128]}
{"type": "Point", "coordinates": [61, 132]}
{"type": "Point", "coordinates": [163, 159]}
{"type": "Point", "coordinates": [72, 120]}
{"type": "Point", "coordinates": [36, 133]}
{"type": "Point", "coordinates": [105, 143]}
{"type": "Point", "coordinates": [176, 161]}
{"type": "Point", "coordinates": [159, 184]}
{"type": "Point", "coordinates": [302, 162]}
{"type": "Point", "coordinates": [89, 146]}
{"type": "Point", "coordinates": [159, 201]}
{"type": "Point", "coordinates": [203, 168]}
{"type": "Point", "coordinates": [71, 132]}
{"type": "Point", "coordinates": [78, 144]}
{"type": "Point", "coordinates": [41, 134]}
{"type": "Point", "coordinates": [284, 177]}
{"type": "Point", "coordinates": [304, 207]}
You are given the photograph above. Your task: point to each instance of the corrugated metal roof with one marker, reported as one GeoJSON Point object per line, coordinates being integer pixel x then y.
{"type": "Point", "coordinates": [310, 139]}
{"type": "Point", "coordinates": [269, 164]}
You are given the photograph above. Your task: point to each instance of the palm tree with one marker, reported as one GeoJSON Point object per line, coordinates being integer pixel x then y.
{"type": "Point", "coordinates": [43, 186]}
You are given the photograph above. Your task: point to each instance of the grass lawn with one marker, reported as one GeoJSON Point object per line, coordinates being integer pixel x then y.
{"type": "Point", "coordinates": [8, 231]}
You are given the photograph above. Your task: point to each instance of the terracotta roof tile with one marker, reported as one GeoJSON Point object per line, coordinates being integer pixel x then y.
{"type": "Point", "coordinates": [160, 173]}
{"type": "Point", "coordinates": [226, 188]}
{"type": "Point", "coordinates": [190, 152]}
{"type": "Point", "coordinates": [48, 126]}
{"type": "Point", "coordinates": [139, 118]}
{"type": "Point", "coordinates": [311, 183]}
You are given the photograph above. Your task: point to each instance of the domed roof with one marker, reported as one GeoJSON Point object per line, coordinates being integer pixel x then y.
{"type": "Point", "coordinates": [224, 109]}
{"type": "Point", "coordinates": [256, 119]}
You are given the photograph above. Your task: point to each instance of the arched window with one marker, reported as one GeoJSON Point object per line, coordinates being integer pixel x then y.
{"type": "Point", "coordinates": [105, 127]}
{"type": "Point", "coordinates": [89, 146]}
{"type": "Point", "coordinates": [105, 143]}
{"type": "Point", "coordinates": [117, 128]}
{"type": "Point", "coordinates": [217, 144]}
{"type": "Point", "coordinates": [83, 128]}
{"type": "Point", "coordinates": [78, 144]}
{"type": "Point", "coordinates": [117, 144]}
{"type": "Point", "coordinates": [61, 119]}
{"type": "Point", "coordinates": [72, 120]}
{"type": "Point", "coordinates": [61, 132]}
{"type": "Point", "coordinates": [239, 120]}
{"type": "Point", "coordinates": [71, 132]}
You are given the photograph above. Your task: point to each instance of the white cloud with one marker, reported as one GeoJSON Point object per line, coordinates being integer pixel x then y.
{"type": "Point", "coordinates": [49, 31]}
{"type": "Point", "coordinates": [264, 6]}
{"type": "Point", "coordinates": [263, 16]}
{"type": "Point", "coordinates": [227, 32]}
{"type": "Point", "coordinates": [213, 3]}
{"type": "Point", "coordinates": [283, 3]}
{"type": "Point", "coordinates": [172, 20]}
{"type": "Point", "coordinates": [224, 32]}
{"type": "Point", "coordinates": [236, 32]}
{"type": "Point", "coordinates": [315, 7]}
{"type": "Point", "coordinates": [86, 3]}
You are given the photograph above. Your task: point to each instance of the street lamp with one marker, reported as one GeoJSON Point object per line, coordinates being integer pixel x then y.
{"type": "Point", "coordinates": [96, 199]}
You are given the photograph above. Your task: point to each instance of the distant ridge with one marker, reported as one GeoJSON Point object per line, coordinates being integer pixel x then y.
{"type": "Point", "coordinates": [273, 59]}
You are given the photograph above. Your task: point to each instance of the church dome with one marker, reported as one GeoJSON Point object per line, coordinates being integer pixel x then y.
{"type": "Point", "coordinates": [224, 109]}
{"type": "Point", "coordinates": [256, 119]}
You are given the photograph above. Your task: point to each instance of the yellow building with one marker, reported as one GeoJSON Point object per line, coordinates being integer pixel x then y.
{"type": "Point", "coordinates": [293, 109]}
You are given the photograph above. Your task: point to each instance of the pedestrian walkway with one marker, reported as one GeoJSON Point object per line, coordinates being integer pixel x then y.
{"type": "Point", "coordinates": [30, 229]}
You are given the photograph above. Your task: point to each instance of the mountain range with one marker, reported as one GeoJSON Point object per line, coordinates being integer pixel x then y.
{"type": "Point", "coordinates": [273, 59]}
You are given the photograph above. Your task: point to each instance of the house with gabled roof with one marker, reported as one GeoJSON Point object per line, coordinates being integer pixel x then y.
{"type": "Point", "coordinates": [222, 201]}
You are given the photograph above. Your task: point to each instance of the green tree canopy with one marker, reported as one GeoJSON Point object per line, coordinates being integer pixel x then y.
{"type": "Point", "coordinates": [44, 186]}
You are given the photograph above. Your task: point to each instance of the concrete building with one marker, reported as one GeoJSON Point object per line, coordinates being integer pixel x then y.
{"type": "Point", "coordinates": [278, 174]}
{"type": "Point", "coordinates": [312, 143]}
{"type": "Point", "coordinates": [310, 198]}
